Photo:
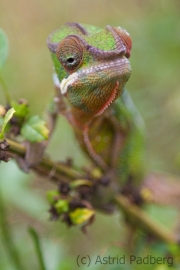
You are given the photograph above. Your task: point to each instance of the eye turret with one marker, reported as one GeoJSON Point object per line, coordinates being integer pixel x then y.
{"type": "Point", "coordinates": [70, 53]}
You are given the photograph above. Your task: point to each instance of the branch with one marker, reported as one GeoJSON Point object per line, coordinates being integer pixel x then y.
{"type": "Point", "coordinates": [141, 220]}
{"type": "Point", "coordinates": [55, 171]}
{"type": "Point", "coordinates": [134, 214]}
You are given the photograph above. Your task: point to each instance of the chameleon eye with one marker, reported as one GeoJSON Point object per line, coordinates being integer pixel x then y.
{"type": "Point", "coordinates": [70, 53]}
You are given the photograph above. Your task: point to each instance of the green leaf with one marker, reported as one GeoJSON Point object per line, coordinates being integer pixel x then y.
{"type": "Point", "coordinates": [34, 130]}
{"type": "Point", "coordinates": [22, 110]}
{"type": "Point", "coordinates": [4, 48]}
{"type": "Point", "coordinates": [62, 206]}
{"type": "Point", "coordinates": [7, 117]}
{"type": "Point", "coordinates": [81, 182]}
{"type": "Point", "coordinates": [81, 215]}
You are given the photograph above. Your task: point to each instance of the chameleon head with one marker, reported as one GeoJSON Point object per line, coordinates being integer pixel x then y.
{"type": "Point", "coordinates": [91, 64]}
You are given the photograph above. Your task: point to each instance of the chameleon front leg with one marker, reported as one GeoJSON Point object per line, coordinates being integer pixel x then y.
{"type": "Point", "coordinates": [62, 108]}
{"type": "Point", "coordinates": [119, 136]}
{"type": "Point", "coordinates": [98, 160]}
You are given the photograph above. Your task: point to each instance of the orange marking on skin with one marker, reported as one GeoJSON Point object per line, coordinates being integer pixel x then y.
{"type": "Point", "coordinates": [110, 100]}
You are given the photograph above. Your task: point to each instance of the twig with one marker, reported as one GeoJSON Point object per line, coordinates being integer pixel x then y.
{"type": "Point", "coordinates": [141, 220]}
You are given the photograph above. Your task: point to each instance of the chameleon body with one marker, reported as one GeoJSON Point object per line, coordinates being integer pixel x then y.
{"type": "Point", "coordinates": [91, 70]}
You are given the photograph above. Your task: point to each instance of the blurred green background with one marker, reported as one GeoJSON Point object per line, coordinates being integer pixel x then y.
{"type": "Point", "coordinates": [154, 85]}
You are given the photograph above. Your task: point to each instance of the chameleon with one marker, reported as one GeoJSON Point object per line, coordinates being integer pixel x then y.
{"type": "Point", "coordinates": [91, 69]}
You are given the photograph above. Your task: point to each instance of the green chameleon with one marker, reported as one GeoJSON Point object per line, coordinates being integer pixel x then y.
{"type": "Point", "coordinates": [91, 71]}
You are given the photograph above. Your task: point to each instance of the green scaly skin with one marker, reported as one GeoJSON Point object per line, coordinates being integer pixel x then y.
{"type": "Point", "coordinates": [91, 70]}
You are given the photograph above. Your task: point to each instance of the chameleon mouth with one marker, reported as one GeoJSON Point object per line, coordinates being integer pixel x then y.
{"type": "Point", "coordinates": [66, 82]}
{"type": "Point", "coordinates": [110, 100]}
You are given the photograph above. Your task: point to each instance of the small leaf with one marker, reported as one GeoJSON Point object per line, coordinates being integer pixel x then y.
{"type": "Point", "coordinates": [34, 130]}
{"type": "Point", "coordinates": [62, 206]}
{"type": "Point", "coordinates": [7, 117]}
{"type": "Point", "coordinates": [80, 182]}
{"type": "Point", "coordinates": [4, 48]}
{"type": "Point", "coordinates": [81, 215]}
{"type": "Point", "coordinates": [52, 196]}
{"type": "Point", "coordinates": [22, 110]}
